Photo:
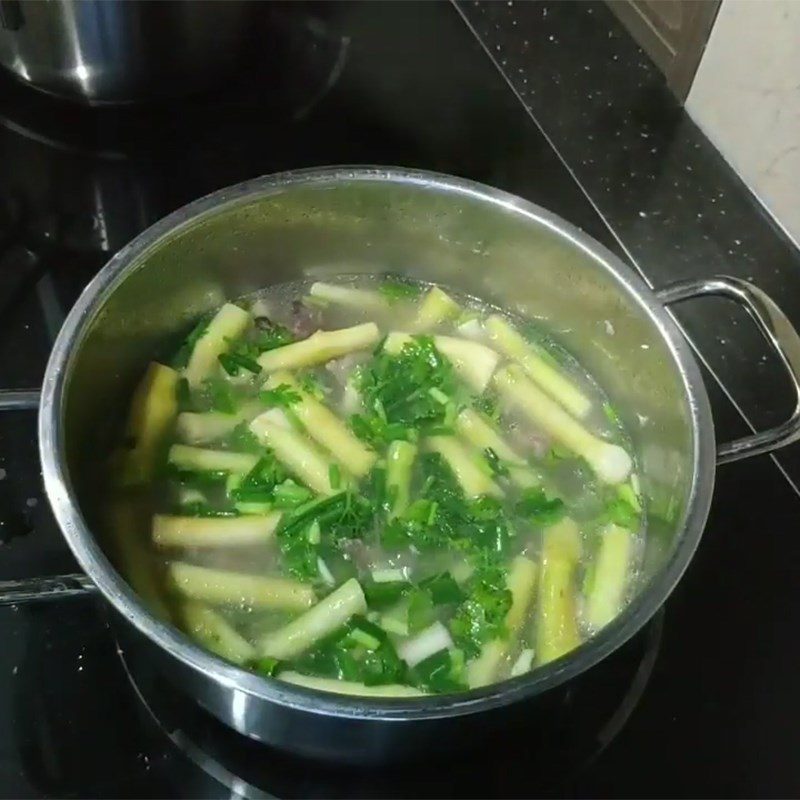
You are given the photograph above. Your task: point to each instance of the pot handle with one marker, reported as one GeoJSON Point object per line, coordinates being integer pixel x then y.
{"type": "Point", "coordinates": [778, 331]}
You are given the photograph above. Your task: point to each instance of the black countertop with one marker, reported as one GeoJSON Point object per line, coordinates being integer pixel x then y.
{"type": "Point", "coordinates": [552, 102]}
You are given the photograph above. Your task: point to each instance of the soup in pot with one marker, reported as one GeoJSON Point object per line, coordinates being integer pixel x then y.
{"type": "Point", "coordinates": [376, 487]}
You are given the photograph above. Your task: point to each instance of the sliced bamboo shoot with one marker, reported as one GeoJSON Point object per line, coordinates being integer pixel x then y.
{"type": "Point", "coordinates": [437, 307]}
{"type": "Point", "coordinates": [134, 557]}
{"type": "Point", "coordinates": [200, 459]}
{"type": "Point", "coordinates": [474, 427]}
{"type": "Point", "coordinates": [609, 461]}
{"type": "Point", "coordinates": [153, 409]}
{"type": "Point", "coordinates": [215, 633]}
{"type": "Point", "coordinates": [238, 588]}
{"type": "Point", "coordinates": [349, 687]}
{"type": "Point", "coordinates": [556, 620]}
{"type": "Point", "coordinates": [320, 347]}
{"type": "Point", "coordinates": [228, 323]}
{"type": "Point", "coordinates": [521, 582]}
{"type": "Point", "coordinates": [471, 477]}
{"type": "Point", "coordinates": [203, 427]}
{"type": "Point", "coordinates": [473, 362]}
{"type": "Point", "coordinates": [324, 426]}
{"type": "Point", "coordinates": [214, 531]}
{"type": "Point", "coordinates": [294, 450]}
{"type": "Point", "coordinates": [610, 574]}
{"type": "Point", "coordinates": [316, 623]}
{"type": "Point", "coordinates": [508, 340]}
{"type": "Point", "coordinates": [348, 296]}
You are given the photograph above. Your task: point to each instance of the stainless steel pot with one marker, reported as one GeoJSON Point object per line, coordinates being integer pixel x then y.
{"type": "Point", "coordinates": [465, 235]}
{"type": "Point", "coordinates": [117, 52]}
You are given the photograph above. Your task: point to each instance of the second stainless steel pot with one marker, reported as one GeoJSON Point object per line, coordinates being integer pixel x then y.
{"type": "Point", "coordinates": [105, 51]}
{"type": "Point", "coordinates": [471, 237]}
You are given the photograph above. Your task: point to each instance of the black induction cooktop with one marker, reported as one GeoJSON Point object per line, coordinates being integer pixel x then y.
{"type": "Point", "coordinates": [704, 701]}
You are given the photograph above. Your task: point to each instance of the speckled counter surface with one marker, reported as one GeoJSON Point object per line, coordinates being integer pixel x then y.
{"type": "Point", "coordinates": [673, 206]}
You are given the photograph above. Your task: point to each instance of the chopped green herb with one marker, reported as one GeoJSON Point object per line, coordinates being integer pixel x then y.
{"type": "Point", "coordinates": [443, 589]}
{"type": "Point", "coordinates": [259, 484]}
{"type": "Point", "coordinates": [496, 465]}
{"type": "Point", "coordinates": [481, 617]}
{"type": "Point", "coordinates": [383, 595]}
{"type": "Point", "coordinates": [611, 415]}
{"type": "Point", "coordinates": [218, 395]}
{"type": "Point", "coordinates": [243, 440]}
{"type": "Point", "coordinates": [346, 656]}
{"type": "Point", "coordinates": [185, 351]}
{"type": "Point", "coordinates": [313, 386]}
{"type": "Point", "coordinates": [233, 362]}
{"type": "Point", "coordinates": [489, 405]}
{"type": "Point", "coordinates": [619, 510]}
{"type": "Point", "coordinates": [291, 495]}
{"type": "Point", "coordinates": [282, 396]}
{"type": "Point", "coordinates": [628, 494]}
{"type": "Point", "coordinates": [271, 335]}
{"type": "Point", "coordinates": [335, 476]}
{"type": "Point", "coordinates": [536, 507]}
{"type": "Point", "coordinates": [421, 611]}
{"type": "Point", "coordinates": [184, 395]}
{"type": "Point", "coordinates": [266, 666]}
{"type": "Point", "coordinates": [398, 391]}
{"type": "Point", "coordinates": [395, 291]}
{"type": "Point", "coordinates": [558, 453]}
{"type": "Point", "coordinates": [441, 672]}
{"type": "Point", "coordinates": [340, 517]}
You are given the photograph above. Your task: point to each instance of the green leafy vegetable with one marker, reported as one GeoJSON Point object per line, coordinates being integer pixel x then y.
{"type": "Point", "coordinates": [233, 362]}
{"type": "Point", "coordinates": [383, 595]}
{"type": "Point", "coordinates": [495, 464]}
{"type": "Point", "coordinates": [488, 404]}
{"type": "Point", "coordinates": [242, 440]}
{"type": "Point", "coordinates": [340, 517]}
{"type": "Point", "coordinates": [557, 453]}
{"type": "Point", "coordinates": [266, 665]}
{"type": "Point", "coordinates": [359, 652]}
{"type": "Point", "coordinates": [481, 617]}
{"type": "Point", "coordinates": [611, 415]}
{"type": "Point", "coordinates": [395, 290]}
{"type": "Point", "coordinates": [181, 358]}
{"type": "Point", "coordinates": [259, 484]}
{"type": "Point", "coordinates": [619, 510]}
{"type": "Point", "coordinates": [535, 506]}
{"type": "Point", "coordinates": [375, 430]}
{"type": "Point", "coordinates": [421, 611]}
{"type": "Point", "coordinates": [291, 495]}
{"type": "Point", "coordinates": [441, 672]}
{"type": "Point", "coordinates": [218, 395]}
{"type": "Point", "coordinates": [442, 517]}
{"type": "Point", "coordinates": [313, 386]}
{"type": "Point", "coordinates": [270, 335]}
{"type": "Point", "coordinates": [443, 589]}
{"type": "Point", "coordinates": [282, 396]}
{"type": "Point", "coordinates": [396, 392]}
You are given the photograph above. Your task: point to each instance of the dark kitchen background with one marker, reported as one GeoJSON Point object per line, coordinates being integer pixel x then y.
{"type": "Point", "coordinates": [555, 102]}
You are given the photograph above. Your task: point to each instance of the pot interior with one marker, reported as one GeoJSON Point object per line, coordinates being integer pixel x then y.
{"type": "Point", "coordinates": [472, 239]}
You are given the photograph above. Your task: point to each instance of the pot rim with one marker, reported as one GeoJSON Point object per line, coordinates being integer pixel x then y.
{"type": "Point", "coordinates": [115, 589]}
